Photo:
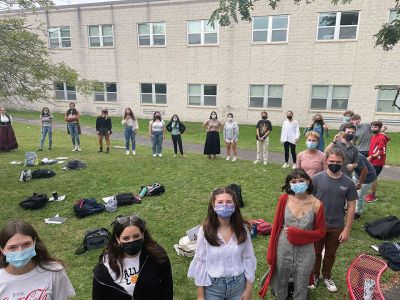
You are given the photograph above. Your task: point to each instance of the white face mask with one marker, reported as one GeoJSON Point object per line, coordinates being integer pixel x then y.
{"type": "Point", "coordinates": [213, 116]}
{"type": "Point", "coordinates": [230, 119]}
{"type": "Point", "coordinates": [175, 119]}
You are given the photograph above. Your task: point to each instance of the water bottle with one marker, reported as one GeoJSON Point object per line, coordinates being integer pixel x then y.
{"type": "Point", "coordinates": [143, 192]}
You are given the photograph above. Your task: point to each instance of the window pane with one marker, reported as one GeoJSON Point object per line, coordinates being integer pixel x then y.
{"type": "Point", "coordinates": [387, 94]}
{"type": "Point", "coordinates": [160, 88]}
{"type": "Point", "coordinates": [194, 39]}
{"type": "Point", "coordinates": [71, 95]}
{"type": "Point", "coordinates": [65, 32]}
{"type": "Point", "coordinates": [98, 96]}
{"type": "Point", "coordinates": [112, 97]}
{"type": "Point", "coordinates": [146, 88]}
{"type": "Point", "coordinates": [108, 41]}
{"type": "Point", "coordinates": [159, 28]}
{"type": "Point", "coordinates": [257, 91]}
{"type": "Point", "coordinates": [161, 99]}
{"type": "Point", "coordinates": [66, 43]}
{"type": "Point", "coordinates": [386, 106]}
{"type": "Point", "coordinates": [275, 91]}
{"type": "Point", "coordinates": [393, 15]}
{"type": "Point", "coordinates": [274, 102]}
{"type": "Point", "coordinates": [278, 36]}
{"type": "Point", "coordinates": [209, 28]}
{"type": "Point", "coordinates": [341, 92]}
{"type": "Point", "coordinates": [111, 87]}
{"type": "Point", "coordinates": [59, 86]}
{"type": "Point", "coordinates": [349, 18]}
{"type": "Point", "coordinates": [159, 40]}
{"type": "Point", "coordinates": [210, 101]}
{"type": "Point", "coordinates": [144, 28]}
{"type": "Point", "coordinates": [348, 32]}
{"type": "Point", "coordinates": [94, 30]}
{"type": "Point", "coordinates": [210, 89]}
{"type": "Point", "coordinates": [194, 100]}
{"type": "Point", "coordinates": [53, 33]}
{"type": "Point", "coordinates": [260, 23]}
{"type": "Point", "coordinates": [340, 104]}
{"type": "Point", "coordinates": [144, 40]}
{"type": "Point", "coordinates": [94, 42]}
{"type": "Point", "coordinates": [60, 95]}
{"type": "Point", "coordinates": [147, 98]}
{"type": "Point", "coordinates": [256, 102]}
{"type": "Point", "coordinates": [70, 87]}
{"type": "Point", "coordinates": [320, 92]}
{"type": "Point", "coordinates": [327, 19]}
{"type": "Point", "coordinates": [195, 89]}
{"type": "Point", "coordinates": [54, 43]}
{"type": "Point", "coordinates": [318, 103]}
{"type": "Point", "coordinates": [107, 30]}
{"type": "Point", "coordinates": [211, 38]}
{"type": "Point", "coordinates": [260, 36]}
{"type": "Point", "coordinates": [279, 22]}
{"type": "Point", "coordinates": [194, 26]}
{"type": "Point", "coordinates": [326, 33]}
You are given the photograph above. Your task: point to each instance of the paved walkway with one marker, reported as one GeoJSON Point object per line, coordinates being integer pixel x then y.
{"type": "Point", "coordinates": [389, 172]}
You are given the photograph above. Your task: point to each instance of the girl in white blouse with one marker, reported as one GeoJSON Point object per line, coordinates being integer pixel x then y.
{"type": "Point", "coordinates": [224, 264]}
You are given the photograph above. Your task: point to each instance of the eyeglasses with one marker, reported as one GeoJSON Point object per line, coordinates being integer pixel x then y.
{"type": "Point", "coordinates": [132, 218]}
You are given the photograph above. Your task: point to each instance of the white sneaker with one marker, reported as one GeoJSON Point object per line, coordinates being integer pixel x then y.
{"type": "Point", "coordinates": [228, 158]}
{"type": "Point", "coordinates": [235, 158]}
{"type": "Point", "coordinates": [75, 149]}
{"type": "Point", "coordinates": [330, 285]}
{"type": "Point", "coordinates": [285, 165]}
{"type": "Point", "coordinates": [159, 154]}
{"type": "Point", "coordinates": [133, 152]}
{"type": "Point", "coordinates": [127, 152]}
{"type": "Point", "coordinates": [78, 148]}
{"type": "Point", "coordinates": [256, 161]}
{"type": "Point", "coordinates": [174, 155]}
{"type": "Point", "coordinates": [154, 155]}
{"type": "Point", "coordinates": [265, 163]}
{"type": "Point", "coordinates": [294, 167]}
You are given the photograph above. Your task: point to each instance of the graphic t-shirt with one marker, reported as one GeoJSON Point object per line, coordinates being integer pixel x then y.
{"type": "Point", "coordinates": [263, 126]}
{"type": "Point", "coordinates": [129, 274]}
{"type": "Point", "coordinates": [38, 284]}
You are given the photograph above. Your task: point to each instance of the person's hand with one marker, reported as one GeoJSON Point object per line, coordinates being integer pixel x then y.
{"type": "Point", "coordinates": [369, 158]}
{"type": "Point", "coordinates": [97, 132]}
{"type": "Point", "coordinates": [285, 229]}
{"type": "Point", "coordinates": [350, 167]}
{"type": "Point", "coordinates": [295, 141]}
{"type": "Point", "coordinates": [337, 137]}
{"type": "Point", "coordinates": [282, 142]}
{"type": "Point", "coordinates": [246, 294]}
{"type": "Point", "coordinates": [358, 185]}
{"type": "Point", "coordinates": [326, 127]}
{"type": "Point", "coordinates": [344, 236]}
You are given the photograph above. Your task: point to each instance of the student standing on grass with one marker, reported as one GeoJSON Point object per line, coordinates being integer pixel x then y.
{"type": "Point", "coordinates": [263, 129]}
{"type": "Point", "coordinates": [335, 190]}
{"type": "Point", "coordinates": [131, 127]}
{"type": "Point", "coordinates": [290, 134]}
{"type": "Point", "coordinates": [377, 155]}
{"type": "Point", "coordinates": [347, 116]}
{"type": "Point", "coordinates": [27, 271]}
{"type": "Point", "coordinates": [46, 119]}
{"type": "Point", "coordinates": [72, 118]}
{"type": "Point", "coordinates": [321, 128]}
{"type": "Point", "coordinates": [312, 160]}
{"type": "Point", "coordinates": [176, 128]}
{"type": "Point", "coordinates": [104, 129]}
{"type": "Point", "coordinates": [299, 222]}
{"type": "Point", "coordinates": [224, 264]}
{"type": "Point", "coordinates": [8, 142]}
{"type": "Point", "coordinates": [231, 135]}
{"type": "Point", "coordinates": [157, 133]}
{"type": "Point", "coordinates": [212, 145]}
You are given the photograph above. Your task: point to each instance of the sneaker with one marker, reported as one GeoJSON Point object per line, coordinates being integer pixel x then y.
{"type": "Point", "coordinates": [75, 149]}
{"type": "Point", "coordinates": [49, 148]}
{"type": "Point", "coordinates": [256, 161]}
{"type": "Point", "coordinates": [265, 163]}
{"type": "Point", "coordinates": [235, 158]}
{"type": "Point", "coordinates": [183, 156]}
{"type": "Point", "coordinates": [154, 155]}
{"type": "Point", "coordinates": [285, 165]}
{"type": "Point", "coordinates": [314, 284]}
{"type": "Point", "coordinates": [174, 155]}
{"type": "Point", "coordinates": [370, 198]}
{"type": "Point", "coordinates": [78, 149]}
{"type": "Point", "coordinates": [228, 158]}
{"type": "Point", "coordinates": [330, 285]}
{"type": "Point", "coordinates": [127, 152]}
{"type": "Point", "coordinates": [294, 167]}
{"type": "Point", "coordinates": [357, 216]}
{"type": "Point", "coordinates": [133, 152]}
{"type": "Point", "coordinates": [159, 155]}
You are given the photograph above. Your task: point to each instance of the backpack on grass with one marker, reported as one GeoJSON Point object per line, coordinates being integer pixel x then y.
{"type": "Point", "coordinates": [35, 201]}
{"type": "Point", "coordinates": [86, 207]}
{"type": "Point", "coordinates": [75, 165]}
{"type": "Point", "coordinates": [25, 175]}
{"type": "Point", "coordinates": [385, 228]}
{"type": "Point", "coordinates": [263, 227]}
{"type": "Point", "coordinates": [38, 174]}
{"type": "Point", "coordinates": [153, 190]}
{"type": "Point", "coordinates": [31, 159]}
{"type": "Point", "coordinates": [94, 238]}
{"type": "Point", "coordinates": [391, 252]}
{"type": "Point", "coordinates": [126, 199]}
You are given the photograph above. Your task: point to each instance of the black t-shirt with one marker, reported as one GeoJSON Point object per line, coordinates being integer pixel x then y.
{"type": "Point", "coordinates": [263, 126]}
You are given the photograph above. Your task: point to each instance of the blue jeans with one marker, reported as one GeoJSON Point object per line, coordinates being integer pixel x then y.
{"type": "Point", "coordinates": [130, 135]}
{"type": "Point", "coordinates": [46, 130]}
{"type": "Point", "coordinates": [156, 140]}
{"type": "Point", "coordinates": [73, 131]}
{"type": "Point", "coordinates": [225, 288]}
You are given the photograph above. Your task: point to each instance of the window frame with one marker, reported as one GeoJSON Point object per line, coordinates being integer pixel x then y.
{"type": "Point", "coordinates": [59, 37]}
{"type": "Point", "coordinates": [151, 34]}
{"type": "Point", "coordinates": [101, 36]}
{"type": "Point", "coordinates": [265, 96]}
{"type": "Point", "coordinates": [105, 93]}
{"type": "Point", "coordinates": [65, 91]}
{"type": "Point", "coordinates": [153, 94]}
{"type": "Point", "coordinates": [337, 26]}
{"type": "Point", "coordinates": [395, 109]}
{"type": "Point", "coordinates": [201, 95]}
{"type": "Point", "coordinates": [202, 33]}
{"type": "Point", "coordinates": [390, 12]}
{"type": "Point", "coordinates": [270, 30]}
{"type": "Point", "coordinates": [329, 99]}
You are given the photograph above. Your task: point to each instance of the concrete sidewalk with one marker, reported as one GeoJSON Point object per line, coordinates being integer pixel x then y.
{"type": "Point", "coordinates": [389, 172]}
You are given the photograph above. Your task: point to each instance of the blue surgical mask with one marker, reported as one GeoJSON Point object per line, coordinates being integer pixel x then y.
{"type": "Point", "coordinates": [224, 210]}
{"type": "Point", "coordinates": [19, 259]}
{"type": "Point", "coordinates": [299, 188]}
{"type": "Point", "coordinates": [311, 145]}
{"type": "Point", "coordinates": [346, 119]}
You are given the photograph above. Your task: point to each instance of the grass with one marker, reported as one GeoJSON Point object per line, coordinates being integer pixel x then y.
{"type": "Point", "coordinates": [195, 134]}
{"type": "Point", "coordinates": [188, 184]}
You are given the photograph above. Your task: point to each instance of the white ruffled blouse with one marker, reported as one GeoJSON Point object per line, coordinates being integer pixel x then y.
{"type": "Point", "coordinates": [227, 260]}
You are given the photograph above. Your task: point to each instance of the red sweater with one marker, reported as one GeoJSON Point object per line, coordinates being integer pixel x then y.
{"type": "Point", "coordinates": [377, 147]}
{"type": "Point", "coordinates": [296, 236]}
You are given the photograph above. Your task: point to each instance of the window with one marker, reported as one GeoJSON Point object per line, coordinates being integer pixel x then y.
{"type": "Point", "coordinates": [101, 36]}
{"type": "Point", "coordinates": [153, 93]}
{"type": "Point", "coordinates": [330, 97]}
{"type": "Point", "coordinates": [266, 96]}
{"type": "Point", "coordinates": [270, 29]}
{"type": "Point", "coordinates": [337, 26]}
{"type": "Point", "coordinates": [393, 15]}
{"type": "Point", "coordinates": [59, 37]}
{"type": "Point", "coordinates": [202, 94]}
{"type": "Point", "coordinates": [64, 91]}
{"type": "Point", "coordinates": [106, 93]}
{"type": "Point", "coordinates": [201, 33]}
{"type": "Point", "coordinates": [151, 34]}
{"type": "Point", "coordinates": [385, 101]}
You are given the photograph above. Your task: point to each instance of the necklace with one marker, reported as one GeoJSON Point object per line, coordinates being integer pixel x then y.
{"type": "Point", "coordinates": [303, 202]}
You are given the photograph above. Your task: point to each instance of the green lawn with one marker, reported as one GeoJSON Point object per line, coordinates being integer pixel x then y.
{"type": "Point", "coordinates": [188, 184]}
{"type": "Point", "coordinates": [195, 134]}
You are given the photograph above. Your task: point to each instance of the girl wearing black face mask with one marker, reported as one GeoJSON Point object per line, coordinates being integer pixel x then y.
{"type": "Point", "coordinates": [133, 265]}
{"type": "Point", "coordinates": [290, 134]}
{"type": "Point", "coordinates": [103, 128]}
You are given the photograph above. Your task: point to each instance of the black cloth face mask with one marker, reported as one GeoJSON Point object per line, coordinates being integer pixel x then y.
{"type": "Point", "coordinates": [132, 248]}
{"type": "Point", "coordinates": [334, 167]}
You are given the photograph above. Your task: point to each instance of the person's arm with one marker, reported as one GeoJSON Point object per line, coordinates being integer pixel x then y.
{"type": "Point", "coordinates": [268, 131]}
{"type": "Point", "coordinates": [248, 291]}
{"type": "Point", "coordinates": [362, 177]}
{"type": "Point", "coordinates": [236, 132]}
{"type": "Point", "coordinates": [324, 163]}
{"type": "Point", "coordinates": [224, 132]}
{"type": "Point", "coordinates": [384, 128]}
{"type": "Point", "coordinates": [354, 163]}
{"type": "Point", "coordinates": [249, 263]}
{"type": "Point", "coordinates": [331, 145]}
{"type": "Point", "coordinates": [97, 124]}
{"type": "Point", "coordinates": [168, 127]}
{"type": "Point", "coordinates": [78, 115]}
{"type": "Point", "coordinates": [297, 132]}
{"type": "Point", "coordinates": [200, 293]}
{"type": "Point", "coordinates": [66, 117]}
{"type": "Point", "coordinates": [136, 125]}
{"type": "Point", "coordinates": [258, 133]}
{"type": "Point", "coordinates": [163, 128]}
{"type": "Point", "coordinates": [98, 292]}
{"type": "Point", "coordinates": [283, 132]}
{"type": "Point", "coordinates": [166, 284]}
{"type": "Point", "coordinates": [298, 161]}
{"type": "Point", "coordinates": [150, 123]}
{"type": "Point", "coordinates": [62, 287]}
{"type": "Point", "coordinates": [351, 209]}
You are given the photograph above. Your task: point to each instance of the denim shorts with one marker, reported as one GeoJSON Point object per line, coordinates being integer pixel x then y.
{"type": "Point", "coordinates": [225, 288]}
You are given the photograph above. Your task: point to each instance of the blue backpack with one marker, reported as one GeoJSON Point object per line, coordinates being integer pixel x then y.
{"type": "Point", "coordinates": [31, 159]}
{"type": "Point", "coordinates": [86, 207]}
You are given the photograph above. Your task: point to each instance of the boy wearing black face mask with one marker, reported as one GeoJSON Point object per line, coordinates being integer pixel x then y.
{"type": "Point", "coordinates": [343, 142]}
{"type": "Point", "coordinates": [103, 128]}
{"type": "Point", "coordinates": [263, 129]}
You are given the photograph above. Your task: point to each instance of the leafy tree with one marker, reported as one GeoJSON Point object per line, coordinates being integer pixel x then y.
{"type": "Point", "coordinates": [387, 37]}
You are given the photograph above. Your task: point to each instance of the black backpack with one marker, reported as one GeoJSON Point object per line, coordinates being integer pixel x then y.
{"type": "Point", "coordinates": [37, 174]}
{"type": "Point", "coordinates": [391, 252]}
{"type": "Point", "coordinates": [35, 201]}
{"type": "Point", "coordinates": [238, 191]}
{"type": "Point", "coordinates": [75, 165]}
{"type": "Point", "coordinates": [94, 238]}
{"type": "Point", "coordinates": [126, 199]}
{"type": "Point", "coordinates": [385, 228]}
{"type": "Point", "coordinates": [86, 207]}
{"type": "Point", "coordinates": [154, 189]}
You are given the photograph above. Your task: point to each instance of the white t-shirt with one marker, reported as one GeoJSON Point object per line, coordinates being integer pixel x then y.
{"type": "Point", "coordinates": [157, 125]}
{"type": "Point", "coordinates": [129, 274]}
{"type": "Point", "coordinates": [36, 284]}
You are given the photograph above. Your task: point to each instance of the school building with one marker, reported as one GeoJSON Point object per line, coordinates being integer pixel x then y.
{"type": "Point", "coordinates": [163, 56]}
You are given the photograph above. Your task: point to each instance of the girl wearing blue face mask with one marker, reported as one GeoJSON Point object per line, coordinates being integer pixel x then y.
{"type": "Point", "coordinates": [224, 264]}
{"type": "Point", "coordinates": [26, 267]}
{"type": "Point", "coordinates": [312, 160]}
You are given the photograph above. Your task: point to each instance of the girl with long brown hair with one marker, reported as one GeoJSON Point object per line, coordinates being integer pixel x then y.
{"type": "Point", "coordinates": [131, 127]}
{"type": "Point", "coordinates": [224, 264]}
